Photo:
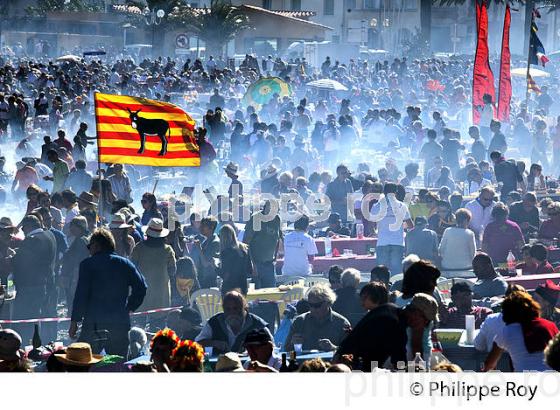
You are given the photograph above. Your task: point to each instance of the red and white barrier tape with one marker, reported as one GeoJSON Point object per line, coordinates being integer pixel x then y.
{"type": "Point", "coordinates": [65, 319]}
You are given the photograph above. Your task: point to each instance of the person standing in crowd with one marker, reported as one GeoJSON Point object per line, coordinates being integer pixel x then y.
{"type": "Point", "coordinates": [422, 241]}
{"type": "Point", "coordinates": [77, 252]}
{"type": "Point", "coordinates": [507, 174]}
{"type": "Point", "coordinates": [390, 214]}
{"type": "Point", "coordinates": [338, 191]}
{"type": "Point", "coordinates": [120, 183]}
{"type": "Point", "coordinates": [33, 280]}
{"type": "Point", "coordinates": [155, 260]}
{"type": "Point", "coordinates": [149, 203]}
{"type": "Point", "coordinates": [299, 250]}
{"type": "Point", "coordinates": [79, 180]}
{"type": "Point", "coordinates": [109, 288]}
{"type": "Point", "coordinates": [60, 171]}
{"type": "Point", "coordinates": [481, 211]}
{"type": "Point", "coordinates": [235, 262]}
{"type": "Point", "coordinates": [208, 253]}
{"type": "Point", "coordinates": [262, 234]}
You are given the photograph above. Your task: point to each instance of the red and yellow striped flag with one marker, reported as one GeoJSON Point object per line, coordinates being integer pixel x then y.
{"type": "Point", "coordinates": [134, 130]}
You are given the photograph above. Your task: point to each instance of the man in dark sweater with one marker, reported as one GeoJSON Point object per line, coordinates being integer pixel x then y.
{"type": "Point", "coordinates": [380, 335]}
{"type": "Point", "coordinates": [33, 267]}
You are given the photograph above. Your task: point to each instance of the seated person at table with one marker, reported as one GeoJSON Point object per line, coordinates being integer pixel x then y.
{"type": "Point", "coordinates": [380, 273]}
{"type": "Point", "coordinates": [502, 235]}
{"type": "Point", "coordinates": [420, 315]}
{"type": "Point", "coordinates": [458, 244]}
{"type": "Point", "coordinates": [493, 325]}
{"type": "Point", "coordinates": [526, 214]}
{"type": "Point", "coordinates": [443, 219]}
{"type": "Point", "coordinates": [347, 300]}
{"type": "Point", "coordinates": [489, 283]}
{"type": "Point", "coordinates": [422, 241]}
{"type": "Point", "coordinates": [539, 253]}
{"type": "Point", "coordinates": [420, 277]}
{"type": "Point", "coordinates": [453, 317]}
{"type": "Point", "coordinates": [186, 322]}
{"type": "Point", "coordinates": [335, 274]}
{"type": "Point", "coordinates": [380, 335]}
{"type": "Point", "coordinates": [335, 227]}
{"type": "Point", "coordinates": [226, 331]}
{"type": "Point", "coordinates": [321, 328]}
{"type": "Point", "coordinates": [260, 347]}
{"type": "Point", "coordinates": [547, 295]}
{"type": "Point", "coordinates": [528, 265]}
{"type": "Point", "coordinates": [550, 228]}
{"type": "Point", "coordinates": [299, 250]}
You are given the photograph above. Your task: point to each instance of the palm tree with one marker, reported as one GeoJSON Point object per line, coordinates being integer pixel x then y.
{"type": "Point", "coordinates": [216, 25]}
{"type": "Point", "coordinates": [45, 6]}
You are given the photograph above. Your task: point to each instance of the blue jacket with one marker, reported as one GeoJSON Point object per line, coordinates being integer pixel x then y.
{"type": "Point", "coordinates": [102, 294]}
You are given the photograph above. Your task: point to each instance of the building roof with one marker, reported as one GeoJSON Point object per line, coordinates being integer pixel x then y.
{"type": "Point", "coordinates": [296, 16]}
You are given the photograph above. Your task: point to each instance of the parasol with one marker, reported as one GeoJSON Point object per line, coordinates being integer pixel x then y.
{"type": "Point", "coordinates": [262, 91]}
{"type": "Point", "coordinates": [327, 84]}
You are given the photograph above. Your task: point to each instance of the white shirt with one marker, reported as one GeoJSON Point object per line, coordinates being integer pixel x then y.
{"type": "Point", "coordinates": [473, 187]}
{"type": "Point", "coordinates": [390, 214]}
{"type": "Point", "coordinates": [457, 248]}
{"type": "Point", "coordinates": [298, 246]}
{"type": "Point", "coordinates": [511, 339]}
{"type": "Point", "coordinates": [492, 325]}
{"type": "Point", "coordinates": [481, 217]}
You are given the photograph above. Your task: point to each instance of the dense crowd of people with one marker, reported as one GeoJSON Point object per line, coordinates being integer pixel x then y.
{"type": "Point", "coordinates": [394, 158]}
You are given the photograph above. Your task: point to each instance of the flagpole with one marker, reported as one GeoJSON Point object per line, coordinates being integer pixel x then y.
{"type": "Point", "coordinates": [527, 95]}
{"type": "Point", "coordinates": [99, 174]}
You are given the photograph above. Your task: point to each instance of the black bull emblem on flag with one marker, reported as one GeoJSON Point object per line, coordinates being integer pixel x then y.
{"type": "Point", "coordinates": [146, 126]}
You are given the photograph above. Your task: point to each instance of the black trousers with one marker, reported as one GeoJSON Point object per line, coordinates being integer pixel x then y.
{"type": "Point", "coordinates": [113, 337]}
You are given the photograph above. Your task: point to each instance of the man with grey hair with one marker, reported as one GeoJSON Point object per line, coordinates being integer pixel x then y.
{"type": "Point", "coordinates": [347, 300]}
{"type": "Point", "coordinates": [320, 328]}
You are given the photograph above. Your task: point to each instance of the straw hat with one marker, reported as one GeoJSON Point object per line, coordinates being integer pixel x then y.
{"type": "Point", "coordinates": [118, 221]}
{"type": "Point", "coordinates": [426, 304]}
{"type": "Point", "coordinates": [79, 354]}
{"type": "Point", "coordinates": [155, 229]}
{"type": "Point", "coordinates": [229, 362]}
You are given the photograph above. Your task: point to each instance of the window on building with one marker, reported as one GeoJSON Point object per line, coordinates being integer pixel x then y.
{"type": "Point", "coordinates": [372, 4]}
{"type": "Point", "coordinates": [328, 8]}
{"type": "Point", "coordinates": [296, 5]}
{"type": "Point", "coordinates": [267, 4]}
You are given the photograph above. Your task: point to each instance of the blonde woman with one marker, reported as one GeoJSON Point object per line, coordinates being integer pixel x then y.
{"type": "Point", "coordinates": [235, 262]}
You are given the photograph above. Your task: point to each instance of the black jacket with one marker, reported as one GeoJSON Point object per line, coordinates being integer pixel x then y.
{"type": "Point", "coordinates": [348, 304]}
{"type": "Point", "coordinates": [379, 335]}
{"type": "Point", "coordinates": [34, 260]}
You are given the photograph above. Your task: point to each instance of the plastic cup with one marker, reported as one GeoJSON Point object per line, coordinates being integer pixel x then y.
{"type": "Point", "coordinates": [251, 287]}
{"type": "Point", "coordinates": [519, 272]}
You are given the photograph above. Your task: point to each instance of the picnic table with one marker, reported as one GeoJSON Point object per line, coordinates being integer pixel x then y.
{"type": "Point", "coordinates": [322, 264]}
{"type": "Point", "coordinates": [531, 282]}
{"type": "Point", "coordinates": [358, 246]}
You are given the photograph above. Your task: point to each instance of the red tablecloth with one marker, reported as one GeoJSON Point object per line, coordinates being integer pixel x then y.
{"type": "Point", "coordinates": [530, 282]}
{"type": "Point", "coordinates": [358, 246]}
{"type": "Point", "coordinates": [322, 264]}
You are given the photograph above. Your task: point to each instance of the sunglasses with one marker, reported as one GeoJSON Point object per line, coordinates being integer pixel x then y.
{"type": "Point", "coordinates": [316, 305]}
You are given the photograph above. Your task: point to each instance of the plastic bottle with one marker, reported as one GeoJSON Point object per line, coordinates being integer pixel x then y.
{"type": "Point", "coordinates": [360, 230]}
{"type": "Point", "coordinates": [511, 262]}
{"type": "Point", "coordinates": [328, 246]}
{"type": "Point", "coordinates": [419, 363]}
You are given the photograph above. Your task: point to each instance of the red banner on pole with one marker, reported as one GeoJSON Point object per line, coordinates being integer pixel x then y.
{"type": "Point", "coordinates": [483, 78]}
{"type": "Point", "coordinates": [504, 96]}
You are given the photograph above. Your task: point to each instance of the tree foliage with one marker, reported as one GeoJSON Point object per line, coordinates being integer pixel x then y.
{"type": "Point", "coordinates": [215, 25]}
{"type": "Point", "coordinates": [45, 6]}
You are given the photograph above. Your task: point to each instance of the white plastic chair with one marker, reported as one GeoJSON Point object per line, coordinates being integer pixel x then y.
{"type": "Point", "coordinates": [444, 287]}
{"type": "Point", "coordinates": [289, 280]}
{"type": "Point", "coordinates": [208, 302]}
{"type": "Point", "coordinates": [312, 281]}
{"type": "Point", "coordinates": [293, 295]}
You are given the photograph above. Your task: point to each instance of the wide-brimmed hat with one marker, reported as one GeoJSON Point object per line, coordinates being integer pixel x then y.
{"type": "Point", "coordinates": [129, 215]}
{"type": "Point", "coordinates": [10, 344]}
{"type": "Point", "coordinates": [269, 172]}
{"type": "Point", "coordinates": [79, 354]}
{"type": "Point", "coordinates": [155, 229]}
{"type": "Point", "coordinates": [118, 221]}
{"type": "Point", "coordinates": [229, 362]}
{"type": "Point", "coordinates": [232, 169]}
{"type": "Point", "coordinates": [426, 304]}
{"type": "Point", "coordinates": [87, 197]}
{"type": "Point", "coordinates": [6, 223]}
